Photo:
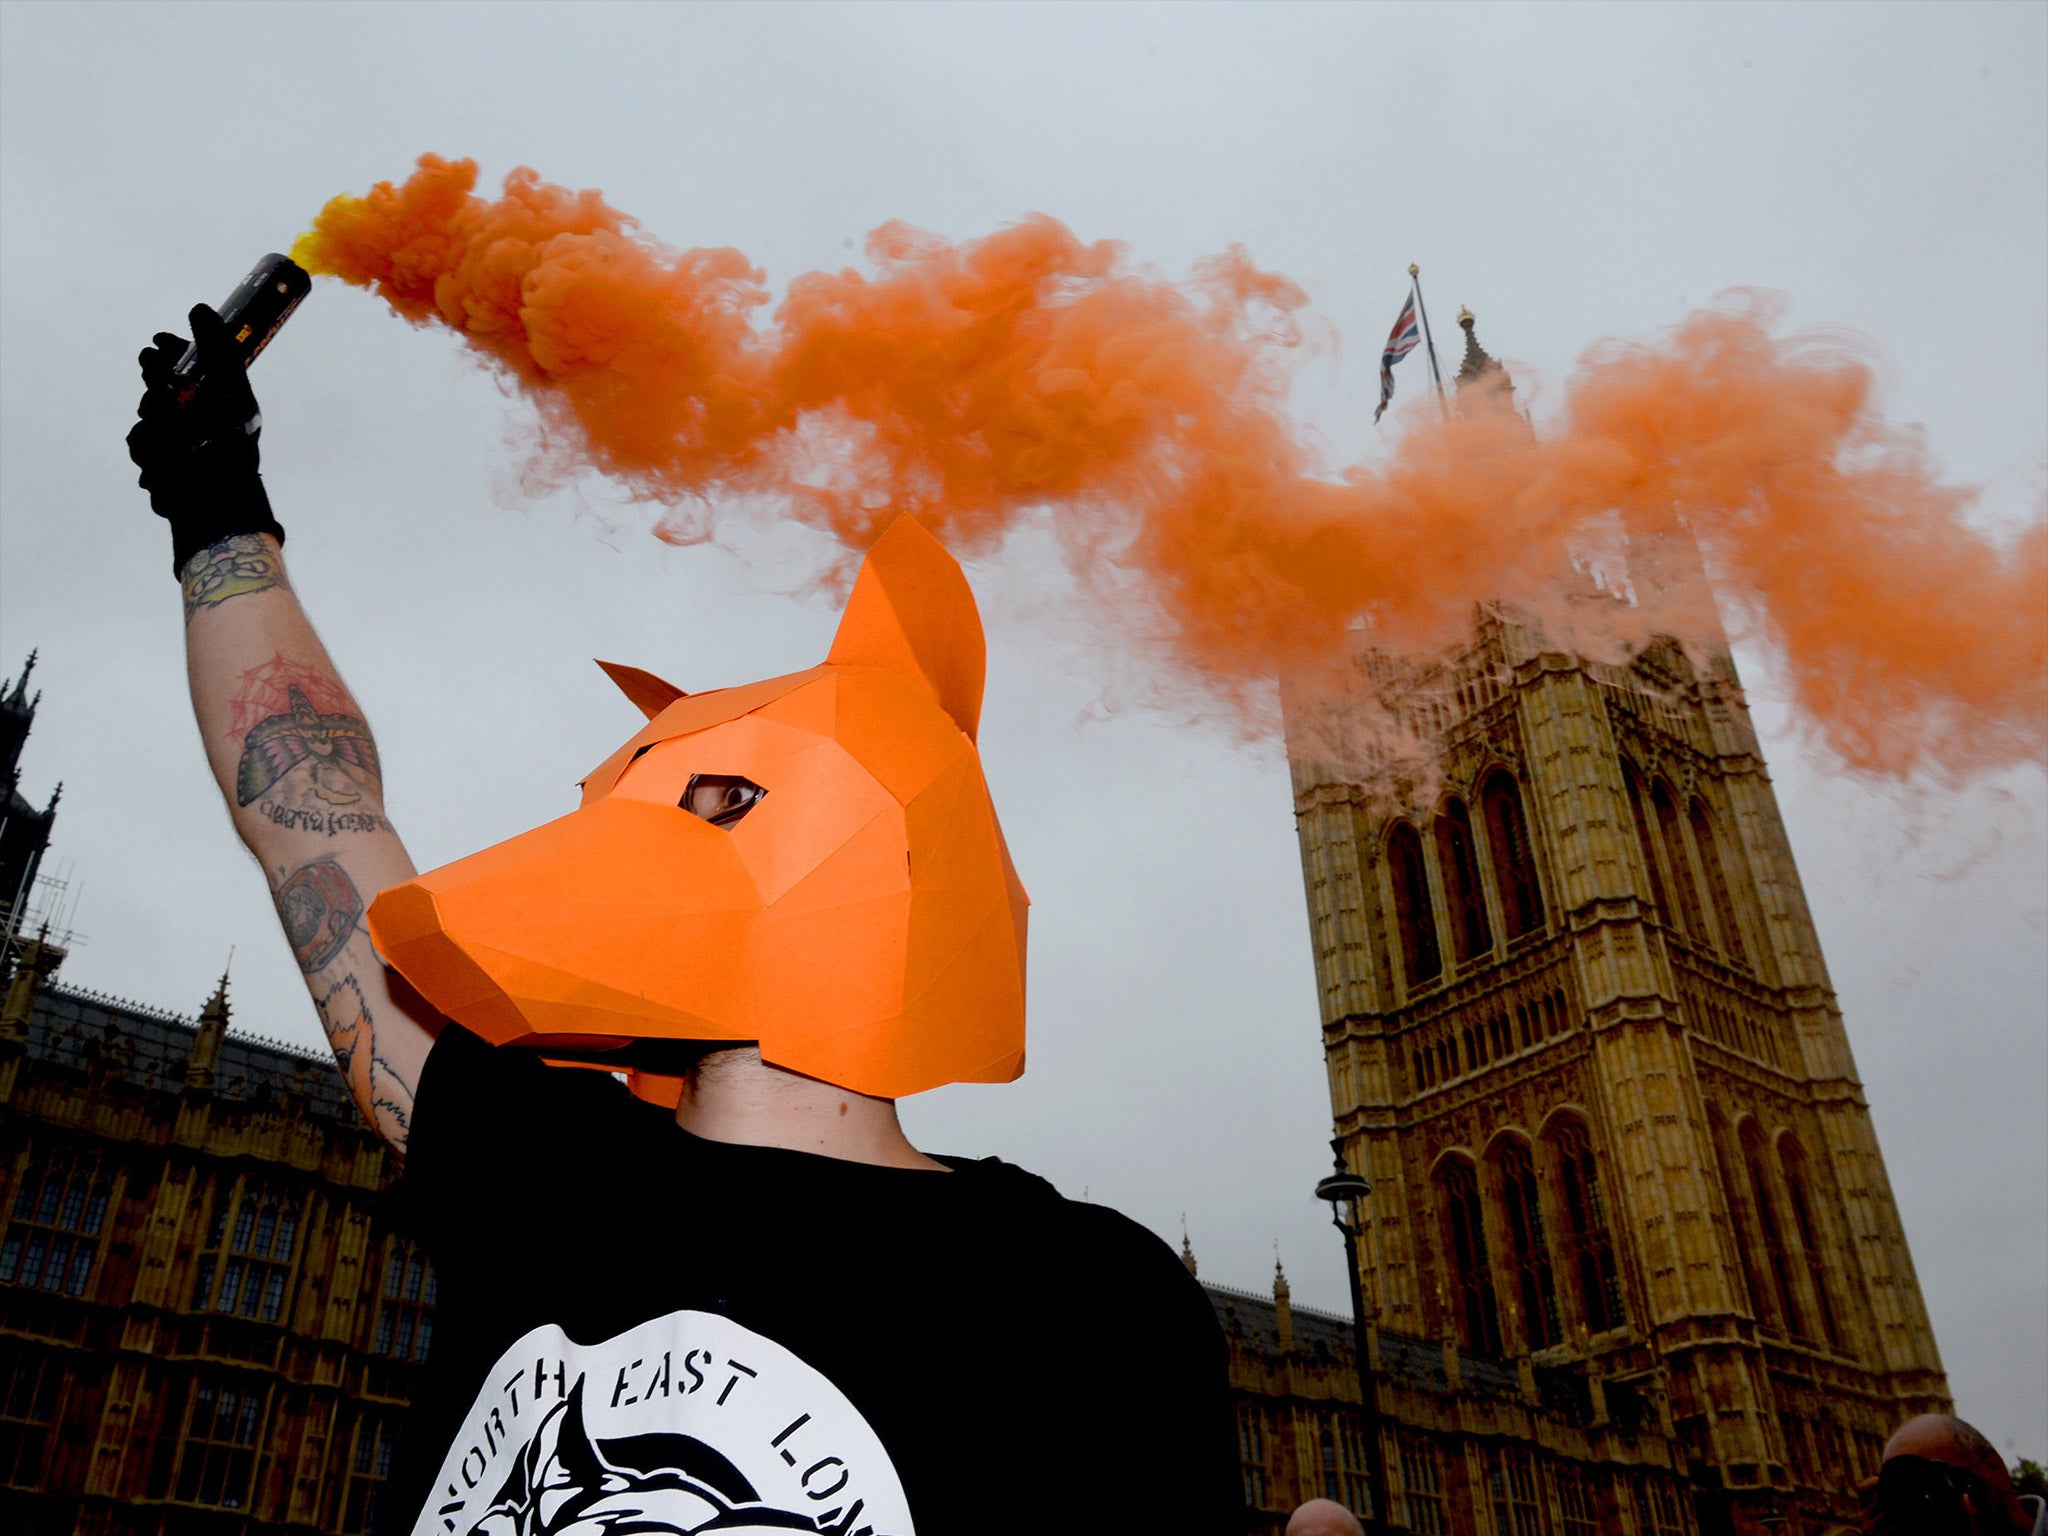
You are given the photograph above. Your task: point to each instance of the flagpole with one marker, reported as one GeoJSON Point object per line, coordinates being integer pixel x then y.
{"type": "Point", "coordinates": [1435, 373]}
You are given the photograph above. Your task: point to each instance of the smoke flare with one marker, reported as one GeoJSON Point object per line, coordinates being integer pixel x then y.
{"type": "Point", "coordinates": [975, 382]}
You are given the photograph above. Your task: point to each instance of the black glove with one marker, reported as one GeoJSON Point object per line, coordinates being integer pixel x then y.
{"type": "Point", "coordinates": [195, 441]}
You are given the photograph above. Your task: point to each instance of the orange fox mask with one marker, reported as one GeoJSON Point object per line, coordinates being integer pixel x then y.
{"type": "Point", "coordinates": [852, 906]}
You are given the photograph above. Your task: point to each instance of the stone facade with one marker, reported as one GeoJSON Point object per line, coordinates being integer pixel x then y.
{"type": "Point", "coordinates": [204, 1325]}
{"type": "Point", "coordinates": [1472, 1444]}
{"type": "Point", "coordinates": [1581, 1039]}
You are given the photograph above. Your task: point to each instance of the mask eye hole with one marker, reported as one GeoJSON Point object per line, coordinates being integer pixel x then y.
{"type": "Point", "coordinates": [721, 798]}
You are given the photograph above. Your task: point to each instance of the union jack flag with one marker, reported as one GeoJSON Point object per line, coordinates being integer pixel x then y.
{"type": "Point", "coordinates": [1404, 338]}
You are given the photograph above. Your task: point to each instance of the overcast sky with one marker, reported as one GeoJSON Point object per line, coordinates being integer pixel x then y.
{"type": "Point", "coordinates": [1570, 172]}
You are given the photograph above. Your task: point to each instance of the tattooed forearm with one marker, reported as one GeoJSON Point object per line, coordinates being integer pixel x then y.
{"type": "Point", "coordinates": [378, 1087]}
{"type": "Point", "coordinates": [327, 759]}
{"type": "Point", "coordinates": [319, 906]}
{"type": "Point", "coordinates": [247, 562]}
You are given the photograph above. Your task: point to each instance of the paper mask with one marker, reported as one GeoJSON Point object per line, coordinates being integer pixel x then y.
{"type": "Point", "coordinates": [812, 862]}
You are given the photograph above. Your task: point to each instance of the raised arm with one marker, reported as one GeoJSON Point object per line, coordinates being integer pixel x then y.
{"type": "Point", "coordinates": [287, 742]}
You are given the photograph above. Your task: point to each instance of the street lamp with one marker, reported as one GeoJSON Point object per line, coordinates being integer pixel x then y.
{"type": "Point", "coordinates": [1347, 1193]}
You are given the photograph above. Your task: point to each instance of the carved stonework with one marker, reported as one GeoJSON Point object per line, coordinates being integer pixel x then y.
{"type": "Point", "coordinates": [1624, 1133]}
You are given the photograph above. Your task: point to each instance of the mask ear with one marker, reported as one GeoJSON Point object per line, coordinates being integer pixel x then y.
{"type": "Point", "coordinates": [912, 611]}
{"type": "Point", "coordinates": [650, 695]}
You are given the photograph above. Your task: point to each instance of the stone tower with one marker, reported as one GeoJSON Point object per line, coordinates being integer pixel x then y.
{"type": "Point", "coordinates": [1581, 1039]}
{"type": "Point", "coordinates": [24, 830]}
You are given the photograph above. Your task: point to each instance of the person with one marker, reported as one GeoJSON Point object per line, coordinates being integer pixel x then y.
{"type": "Point", "coordinates": [1939, 1477]}
{"type": "Point", "coordinates": [759, 1309]}
{"type": "Point", "coordinates": [1323, 1517]}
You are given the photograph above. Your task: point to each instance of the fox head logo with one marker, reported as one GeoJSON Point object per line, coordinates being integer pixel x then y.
{"type": "Point", "coordinates": [566, 1484]}
{"type": "Point", "coordinates": [811, 862]}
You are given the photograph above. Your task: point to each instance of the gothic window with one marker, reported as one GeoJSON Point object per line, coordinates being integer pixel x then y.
{"type": "Point", "coordinates": [1575, 1502]}
{"type": "Point", "coordinates": [1251, 1454]}
{"type": "Point", "coordinates": [1646, 839]}
{"type": "Point", "coordinates": [405, 1304]}
{"type": "Point", "coordinates": [1799, 1195]}
{"type": "Point", "coordinates": [1528, 1257]}
{"type": "Point", "coordinates": [1458, 859]}
{"type": "Point", "coordinates": [245, 1264]}
{"type": "Point", "coordinates": [1657, 1507]}
{"type": "Point", "coordinates": [1414, 914]}
{"type": "Point", "coordinates": [1343, 1452]}
{"type": "Point", "coordinates": [367, 1468]}
{"type": "Point", "coordinates": [1471, 1275]}
{"type": "Point", "coordinates": [1742, 1220]}
{"type": "Point", "coordinates": [217, 1445]}
{"type": "Point", "coordinates": [1684, 878]}
{"type": "Point", "coordinates": [1511, 1479]}
{"type": "Point", "coordinates": [1422, 1488]}
{"type": "Point", "coordinates": [53, 1236]}
{"type": "Point", "coordinates": [31, 1390]}
{"type": "Point", "coordinates": [1588, 1246]}
{"type": "Point", "coordinates": [1756, 1160]}
{"type": "Point", "coordinates": [1709, 848]}
{"type": "Point", "coordinates": [1514, 857]}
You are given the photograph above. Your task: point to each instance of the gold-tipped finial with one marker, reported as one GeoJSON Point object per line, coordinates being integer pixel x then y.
{"type": "Point", "coordinates": [1414, 270]}
{"type": "Point", "coordinates": [1465, 317]}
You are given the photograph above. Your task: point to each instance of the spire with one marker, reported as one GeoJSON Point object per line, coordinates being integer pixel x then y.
{"type": "Point", "coordinates": [1477, 362]}
{"type": "Point", "coordinates": [201, 1065]}
{"type": "Point", "coordinates": [1283, 1301]}
{"type": "Point", "coordinates": [1187, 1250]}
{"type": "Point", "coordinates": [218, 1003]}
{"type": "Point", "coordinates": [17, 715]}
{"type": "Point", "coordinates": [1481, 373]}
{"type": "Point", "coordinates": [20, 694]}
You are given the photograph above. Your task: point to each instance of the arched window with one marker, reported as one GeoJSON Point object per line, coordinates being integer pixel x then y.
{"type": "Point", "coordinates": [1741, 1220]}
{"type": "Point", "coordinates": [1514, 859]}
{"type": "Point", "coordinates": [1465, 1240]}
{"type": "Point", "coordinates": [1799, 1194]}
{"type": "Point", "coordinates": [1534, 1287]}
{"type": "Point", "coordinates": [1646, 839]}
{"type": "Point", "coordinates": [1717, 880]}
{"type": "Point", "coordinates": [1755, 1157]}
{"type": "Point", "coordinates": [1588, 1247]}
{"type": "Point", "coordinates": [1458, 860]}
{"type": "Point", "coordinates": [1414, 914]}
{"type": "Point", "coordinates": [1684, 878]}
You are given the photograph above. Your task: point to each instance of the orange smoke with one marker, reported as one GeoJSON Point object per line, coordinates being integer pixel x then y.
{"type": "Point", "coordinates": [974, 382]}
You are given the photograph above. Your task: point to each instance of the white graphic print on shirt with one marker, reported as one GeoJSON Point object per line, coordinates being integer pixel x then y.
{"type": "Point", "coordinates": [684, 1424]}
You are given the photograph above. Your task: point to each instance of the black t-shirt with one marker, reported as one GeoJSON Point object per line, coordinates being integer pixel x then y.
{"type": "Point", "coordinates": [641, 1330]}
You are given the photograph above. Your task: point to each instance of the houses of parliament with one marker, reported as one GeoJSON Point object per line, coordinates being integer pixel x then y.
{"type": "Point", "coordinates": [1630, 1266]}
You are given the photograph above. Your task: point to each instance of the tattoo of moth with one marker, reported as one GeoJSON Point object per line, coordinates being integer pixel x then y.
{"type": "Point", "coordinates": [320, 907]}
{"type": "Point", "coordinates": [242, 563]}
{"type": "Point", "coordinates": [337, 745]}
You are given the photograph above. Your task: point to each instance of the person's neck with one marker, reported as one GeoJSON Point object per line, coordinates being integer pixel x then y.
{"type": "Point", "coordinates": [740, 1099]}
